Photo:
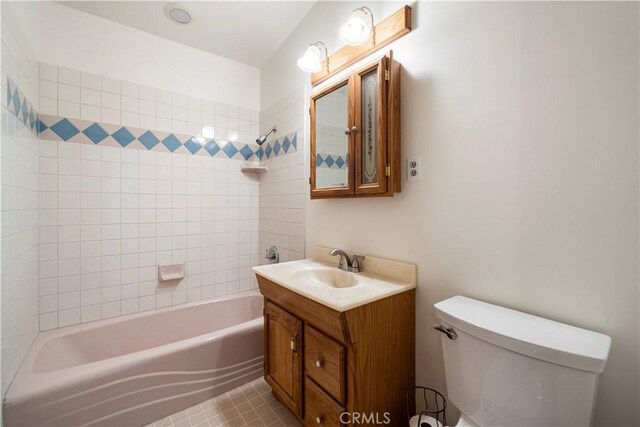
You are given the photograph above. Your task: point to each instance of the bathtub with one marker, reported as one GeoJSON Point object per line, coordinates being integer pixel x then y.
{"type": "Point", "coordinates": [135, 369]}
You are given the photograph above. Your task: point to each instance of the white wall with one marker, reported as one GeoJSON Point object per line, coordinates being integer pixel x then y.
{"type": "Point", "coordinates": [81, 41]}
{"type": "Point", "coordinates": [526, 119]}
{"type": "Point", "coordinates": [19, 195]}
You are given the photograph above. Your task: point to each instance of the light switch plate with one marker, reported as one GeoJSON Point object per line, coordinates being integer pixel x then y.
{"type": "Point", "coordinates": [413, 169]}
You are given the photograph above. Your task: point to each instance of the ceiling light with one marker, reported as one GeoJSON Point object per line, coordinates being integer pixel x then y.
{"type": "Point", "coordinates": [177, 13]}
{"type": "Point", "coordinates": [357, 30]}
{"type": "Point", "coordinates": [311, 61]}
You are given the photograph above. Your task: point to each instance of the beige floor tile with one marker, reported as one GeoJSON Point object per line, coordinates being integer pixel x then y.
{"type": "Point", "coordinates": [250, 405]}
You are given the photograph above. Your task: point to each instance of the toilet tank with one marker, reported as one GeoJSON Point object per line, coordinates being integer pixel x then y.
{"type": "Point", "coordinates": [508, 368]}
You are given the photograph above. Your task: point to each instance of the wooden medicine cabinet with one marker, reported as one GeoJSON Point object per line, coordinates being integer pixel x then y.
{"type": "Point", "coordinates": [355, 134]}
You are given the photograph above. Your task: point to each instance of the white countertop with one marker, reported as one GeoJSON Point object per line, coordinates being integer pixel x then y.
{"type": "Point", "coordinates": [321, 281]}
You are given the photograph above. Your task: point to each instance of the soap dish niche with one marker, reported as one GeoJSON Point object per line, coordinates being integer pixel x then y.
{"type": "Point", "coordinates": [170, 272]}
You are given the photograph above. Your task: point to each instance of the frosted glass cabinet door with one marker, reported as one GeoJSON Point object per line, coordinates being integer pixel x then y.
{"type": "Point", "coordinates": [370, 148]}
{"type": "Point", "coordinates": [331, 141]}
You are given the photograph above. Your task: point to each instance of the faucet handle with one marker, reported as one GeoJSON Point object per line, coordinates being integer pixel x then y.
{"type": "Point", "coordinates": [355, 263]}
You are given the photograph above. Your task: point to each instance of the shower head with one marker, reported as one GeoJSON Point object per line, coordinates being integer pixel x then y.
{"type": "Point", "coordinates": [262, 139]}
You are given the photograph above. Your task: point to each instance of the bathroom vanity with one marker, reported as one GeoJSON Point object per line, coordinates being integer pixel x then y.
{"type": "Point", "coordinates": [340, 346]}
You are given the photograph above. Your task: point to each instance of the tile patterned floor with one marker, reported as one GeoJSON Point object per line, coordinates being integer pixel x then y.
{"type": "Point", "coordinates": [251, 405]}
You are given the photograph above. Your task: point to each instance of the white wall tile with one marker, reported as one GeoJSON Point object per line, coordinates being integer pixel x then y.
{"type": "Point", "coordinates": [68, 93]}
{"type": "Point", "coordinates": [91, 97]}
{"type": "Point", "coordinates": [69, 109]}
{"type": "Point", "coordinates": [90, 113]}
{"type": "Point", "coordinates": [68, 76]}
{"type": "Point", "coordinates": [48, 89]}
{"type": "Point", "coordinates": [111, 85]}
{"type": "Point", "coordinates": [91, 81]}
{"type": "Point", "coordinates": [48, 72]}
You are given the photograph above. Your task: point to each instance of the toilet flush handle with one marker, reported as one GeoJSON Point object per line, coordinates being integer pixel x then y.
{"type": "Point", "coordinates": [447, 331]}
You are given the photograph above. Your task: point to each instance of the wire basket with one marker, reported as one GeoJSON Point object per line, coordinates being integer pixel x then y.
{"type": "Point", "coordinates": [429, 405]}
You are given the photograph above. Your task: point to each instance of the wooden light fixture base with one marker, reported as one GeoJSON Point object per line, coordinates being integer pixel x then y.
{"type": "Point", "coordinates": [391, 28]}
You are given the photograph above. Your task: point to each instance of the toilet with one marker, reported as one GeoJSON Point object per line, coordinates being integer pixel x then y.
{"type": "Point", "coordinates": [508, 368]}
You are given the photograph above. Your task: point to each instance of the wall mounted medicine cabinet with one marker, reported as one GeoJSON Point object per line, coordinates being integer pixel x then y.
{"type": "Point", "coordinates": [355, 134]}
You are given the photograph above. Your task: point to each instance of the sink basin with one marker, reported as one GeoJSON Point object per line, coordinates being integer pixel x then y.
{"type": "Point", "coordinates": [320, 280]}
{"type": "Point", "coordinates": [326, 276]}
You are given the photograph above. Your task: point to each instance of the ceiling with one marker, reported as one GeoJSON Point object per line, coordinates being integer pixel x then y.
{"type": "Point", "coordinates": [245, 31]}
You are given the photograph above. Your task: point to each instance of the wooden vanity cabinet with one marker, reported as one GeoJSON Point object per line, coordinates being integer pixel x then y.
{"type": "Point", "coordinates": [321, 362]}
{"type": "Point", "coordinates": [355, 134]}
{"type": "Point", "coordinates": [283, 356]}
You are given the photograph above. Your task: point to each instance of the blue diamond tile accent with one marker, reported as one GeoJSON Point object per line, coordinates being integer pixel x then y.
{"type": "Point", "coordinates": [25, 112]}
{"type": "Point", "coordinates": [267, 151]}
{"type": "Point", "coordinates": [212, 148]}
{"type": "Point", "coordinates": [329, 161]}
{"type": "Point", "coordinates": [259, 153]}
{"type": "Point", "coordinates": [16, 101]}
{"type": "Point", "coordinates": [41, 127]}
{"type": "Point", "coordinates": [123, 137]}
{"type": "Point", "coordinates": [95, 133]}
{"type": "Point", "coordinates": [171, 142]}
{"type": "Point", "coordinates": [294, 141]}
{"type": "Point", "coordinates": [9, 93]}
{"type": "Point", "coordinates": [230, 150]}
{"type": "Point", "coordinates": [65, 129]}
{"type": "Point", "coordinates": [31, 119]}
{"type": "Point", "coordinates": [149, 140]}
{"type": "Point", "coordinates": [340, 162]}
{"type": "Point", "coordinates": [193, 145]}
{"type": "Point", "coordinates": [319, 160]}
{"type": "Point", "coordinates": [286, 144]}
{"type": "Point", "coordinates": [276, 148]}
{"type": "Point", "coordinates": [246, 152]}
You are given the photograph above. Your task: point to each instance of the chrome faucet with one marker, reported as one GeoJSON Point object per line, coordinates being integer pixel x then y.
{"type": "Point", "coordinates": [345, 262]}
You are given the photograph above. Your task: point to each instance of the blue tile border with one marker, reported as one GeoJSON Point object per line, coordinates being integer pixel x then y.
{"type": "Point", "coordinates": [104, 134]}
{"type": "Point", "coordinates": [17, 104]}
{"type": "Point", "coordinates": [331, 161]}
{"type": "Point", "coordinates": [279, 146]}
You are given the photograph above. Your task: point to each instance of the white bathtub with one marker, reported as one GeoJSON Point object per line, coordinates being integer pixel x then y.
{"type": "Point", "coordinates": [135, 369]}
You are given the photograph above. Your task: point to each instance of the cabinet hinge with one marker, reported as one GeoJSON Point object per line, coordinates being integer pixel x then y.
{"type": "Point", "coordinates": [387, 170]}
{"type": "Point", "coordinates": [386, 75]}
{"type": "Point", "coordinates": [309, 180]}
{"type": "Point", "coordinates": [309, 110]}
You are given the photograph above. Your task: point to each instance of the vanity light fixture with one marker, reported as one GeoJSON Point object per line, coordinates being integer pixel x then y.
{"type": "Point", "coordinates": [311, 61]}
{"type": "Point", "coordinates": [359, 28]}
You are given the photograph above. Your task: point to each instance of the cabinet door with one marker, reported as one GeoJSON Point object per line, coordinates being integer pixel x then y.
{"type": "Point", "coordinates": [370, 135]}
{"type": "Point", "coordinates": [283, 356]}
{"type": "Point", "coordinates": [332, 141]}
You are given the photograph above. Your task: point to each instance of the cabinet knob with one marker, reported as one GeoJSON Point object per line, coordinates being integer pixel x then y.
{"type": "Point", "coordinates": [319, 419]}
{"type": "Point", "coordinates": [347, 131]}
{"type": "Point", "coordinates": [354, 129]}
{"type": "Point", "coordinates": [319, 363]}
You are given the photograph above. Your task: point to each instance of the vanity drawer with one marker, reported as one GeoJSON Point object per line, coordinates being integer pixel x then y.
{"type": "Point", "coordinates": [325, 362]}
{"type": "Point", "coordinates": [319, 408]}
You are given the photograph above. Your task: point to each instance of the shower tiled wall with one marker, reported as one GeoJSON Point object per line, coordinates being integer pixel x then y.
{"type": "Point", "coordinates": [109, 216]}
{"type": "Point", "coordinates": [18, 195]}
{"type": "Point", "coordinates": [73, 94]}
{"type": "Point", "coordinates": [114, 207]}
{"type": "Point", "coordinates": [283, 190]}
